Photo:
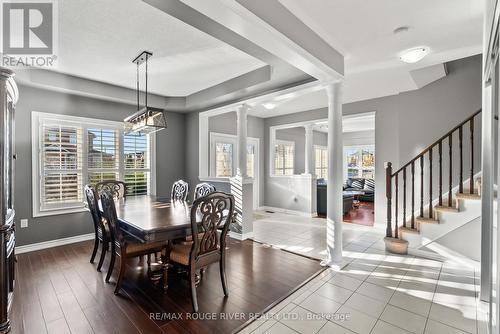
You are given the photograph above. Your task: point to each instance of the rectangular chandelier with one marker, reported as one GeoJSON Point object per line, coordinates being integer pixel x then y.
{"type": "Point", "coordinates": [147, 119]}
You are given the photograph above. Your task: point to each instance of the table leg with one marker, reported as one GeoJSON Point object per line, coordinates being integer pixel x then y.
{"type": "Point", "coordinates": [165, 259]}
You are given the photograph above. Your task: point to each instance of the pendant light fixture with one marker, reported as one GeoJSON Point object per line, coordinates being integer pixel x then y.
{"type": "Point", "coordinates": [147, 119]}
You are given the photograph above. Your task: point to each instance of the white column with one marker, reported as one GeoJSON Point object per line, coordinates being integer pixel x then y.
{"type": "Point", "coordinates": [241, 115]}
{"type": "Point", "coordinates": [334, 189]}
{"type": "Point", "coordinates": [309, 148]}
{"type": "Point", "coordinates": [487, 198]}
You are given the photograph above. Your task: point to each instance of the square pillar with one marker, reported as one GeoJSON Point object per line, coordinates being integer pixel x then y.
{"type": "Point", "coordinates": [242, 190]}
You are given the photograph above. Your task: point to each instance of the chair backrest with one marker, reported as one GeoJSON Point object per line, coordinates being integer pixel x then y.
{"type": "Point", "coordinates": [211, 212]}
{"type": "Point", "coordinates": [117, 188]}
{"type": "Point", "coordinates": [93, 205]}
{"type": "Point", "coordinates": [180, 191]}
{"type": "Point", "coordinates": [203, 189]}
{"type": "Point", "coordinates": [109, 213]}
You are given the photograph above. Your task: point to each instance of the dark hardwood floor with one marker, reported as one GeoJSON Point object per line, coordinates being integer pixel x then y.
{"type": "Point", "coordinates": [363, 215]}
{"type": "Point", "coordinates": [59, 291]}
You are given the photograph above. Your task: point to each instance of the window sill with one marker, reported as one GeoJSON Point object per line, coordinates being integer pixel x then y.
{"type": "Point", "coordinates": [215, 179]}
{"type": "Point", "coordinates": [57, 212]}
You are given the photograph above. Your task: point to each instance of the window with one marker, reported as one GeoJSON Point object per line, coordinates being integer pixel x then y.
{"type": "Point", "coordinates": [360, 161]}
{"type": "Point", "coordinates": [250, 160]}
{"type": "Point", "coordinates": [321, 162]}
{"type": "Point", "coordinates": [283, 157]}
{"type": "Point", "coordinates": [69, 152]}
{"type": "Point", "coordinates": [223, 159]}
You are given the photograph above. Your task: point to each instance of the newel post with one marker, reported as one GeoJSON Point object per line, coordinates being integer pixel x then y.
{"type": "Point", "coordinates": [388, 194]}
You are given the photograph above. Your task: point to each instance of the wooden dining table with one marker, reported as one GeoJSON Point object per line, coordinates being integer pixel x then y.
{"type": "Point", "coordinates": [151, 218]}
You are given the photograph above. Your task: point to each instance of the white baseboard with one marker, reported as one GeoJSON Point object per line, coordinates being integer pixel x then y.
{"type": "Point", "coordinates": [290, 212]}
{"type": "Point", "coordinates": [53, 243]}
{"type": "Point", "coordinates": [239, 236]}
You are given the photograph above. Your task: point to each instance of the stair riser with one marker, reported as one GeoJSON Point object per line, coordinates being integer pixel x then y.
{"type": "Point", "coordinates": [448, 221]}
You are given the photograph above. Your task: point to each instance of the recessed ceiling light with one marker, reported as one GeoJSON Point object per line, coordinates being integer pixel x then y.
{"type": "Point", "coordinates": [414, 55]}
{"type": "Point", "coordinates": [269, 105]}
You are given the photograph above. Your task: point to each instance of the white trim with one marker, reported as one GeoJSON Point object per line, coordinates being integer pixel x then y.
{"type": "Point", "coordinates": [239, 236]}
{"type": "Point", "coordinates": [215, 179]}
{"type": "Point", "coordinates": [290, 212]}
{"type": "Point", "coordinates": [53, 243]}
{"type": "Point", "coordinates": [272, 149]}
{"type": "Point", "coordinates": [39, 118]}
{"type": "Point", "coordinates": [360, 167]}
{"type": "Point", "coordinates": [227, 139]}
{"type": "Point", "coordinates": [319, 147]}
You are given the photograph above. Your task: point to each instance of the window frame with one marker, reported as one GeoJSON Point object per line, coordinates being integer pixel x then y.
{"type": "Point", "coordinates": [38, 119]}
{"type": "Point", "coordinates": [320, 147]}
{"type": "Point", "coordinates": [282, 142]}
{"type": "Point", "coordinates": [230, 139]}
{"type": "Point", "coordinates": [215, 138]}
{"type": "Point", "coordinates": [360, 165]}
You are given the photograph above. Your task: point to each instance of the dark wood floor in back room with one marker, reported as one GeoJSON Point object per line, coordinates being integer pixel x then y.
{"type": "Point", "coordinates": [363, 215]}
{"type": "Point", "coordinates": [59, 291]}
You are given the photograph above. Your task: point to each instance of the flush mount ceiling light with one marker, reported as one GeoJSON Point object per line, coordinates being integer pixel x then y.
{"type": "Point", "coordinates": [414, 55]}
{"type": "Point", "coordinates": [269, 106]}
{"type": "Point", "coordinates": [147, 119]}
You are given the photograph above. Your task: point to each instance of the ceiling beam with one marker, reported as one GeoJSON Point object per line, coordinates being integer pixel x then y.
{"type": "Point", "coordinates": [273, 27]}
{"type": "Point", "coordinates": [233, 85]}
{"type": "Point", "coordinates": [303, 41]}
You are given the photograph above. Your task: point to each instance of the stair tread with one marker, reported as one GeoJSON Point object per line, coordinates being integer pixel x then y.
{"type": "Point", "coordinates": [445, 208]}
{"type": "Point", "coordinates": [467, 195]}
{"type": "Point", "coordinates": [426, 220]}
{"type": "Point", "coordinates": [408, 230]}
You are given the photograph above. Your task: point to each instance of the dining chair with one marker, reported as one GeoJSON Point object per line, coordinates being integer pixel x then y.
{"type": "Point", "coordinates": [122, 246]}
{"type": "Point", "coordinates": [101, 229]}
{"type": "Point", "coordinates": [211, 212]}
{"type": "Point", "coordinates": [203, 189]}
{"type": "Point", "coordinates": [117, 188]}
{"type": "Point", "coordinates": [180, 191]}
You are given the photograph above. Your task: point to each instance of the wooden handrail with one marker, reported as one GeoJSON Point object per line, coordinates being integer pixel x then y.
{"type": "Point", "coordinates": [392, 178]}
{"type": "Point", "coordinates": [437, 142]}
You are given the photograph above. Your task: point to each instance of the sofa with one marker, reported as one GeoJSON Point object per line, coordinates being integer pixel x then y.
{"type": "Point", "coordinates": [367, 186]}
{"type": "Point", "coordinates": [322, 204]}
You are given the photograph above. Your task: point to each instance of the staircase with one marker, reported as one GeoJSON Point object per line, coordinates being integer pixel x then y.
{"type": "Point", "coordinates": [431, 205]}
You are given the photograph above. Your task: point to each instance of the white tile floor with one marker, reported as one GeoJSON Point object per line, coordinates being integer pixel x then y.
{"type": "Point", "coordinates": [376, 292]}
{"type": "Point", "coordinates": [307, 236]}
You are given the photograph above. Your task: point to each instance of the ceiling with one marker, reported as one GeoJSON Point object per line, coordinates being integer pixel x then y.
{"type": "Point", "coordinates": [363, 31]}
{"type": "Point", "coordinates": [99, 38]}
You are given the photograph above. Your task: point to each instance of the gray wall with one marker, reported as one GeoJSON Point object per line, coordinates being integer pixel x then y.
{"type": "Point", "coordinates": [227, 124]}
{"type": "Point", "coordinates": [408, 122]}
{"type": "Point", "coordinates": [297, 135]}
{"type": "Point", "coordinates": [169, 158]}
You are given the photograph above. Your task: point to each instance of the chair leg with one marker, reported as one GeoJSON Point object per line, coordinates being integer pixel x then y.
{"type": "Point", "coordinates": [94, 251]}
{"type": "Point", "coordinates": [104, 249]}
{"type": "Point", "coordinates": [111, 264]}
{"type": "Point", "coordinates": [222, 266]}
{"type": "Point", "coordinates": [120, 276]}
{"type": "Point", "coordinates": [194, 299]}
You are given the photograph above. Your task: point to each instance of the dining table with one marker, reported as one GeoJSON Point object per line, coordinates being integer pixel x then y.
{"type": "Point", "coordinates": [150, 219]}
